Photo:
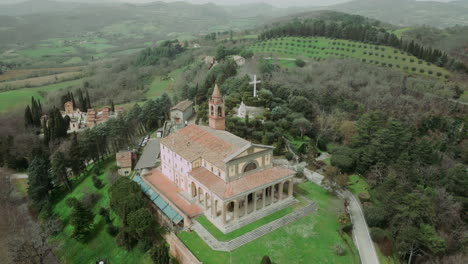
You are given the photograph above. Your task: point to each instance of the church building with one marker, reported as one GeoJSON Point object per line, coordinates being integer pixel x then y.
{"type": "Point", "coordinates": [205, 169]}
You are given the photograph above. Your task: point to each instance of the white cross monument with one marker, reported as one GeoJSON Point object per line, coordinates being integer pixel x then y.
{"type": "Point", "coordinates": [255, 84]}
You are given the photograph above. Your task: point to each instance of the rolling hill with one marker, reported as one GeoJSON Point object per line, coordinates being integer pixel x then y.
{"type": "Point", "coordinates": [409, 12]}
{"type": "Point", "coordinates": [316, 48]}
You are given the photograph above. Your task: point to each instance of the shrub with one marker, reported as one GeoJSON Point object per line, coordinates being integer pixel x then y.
{"type": "Point", "coordinates": [383, 56]}
{"type": "Point", "coordinates": [289, 156]}
{"type": "Point", "coordinates": [347, 228]}
{"type": "Point", "coordinates": [396, 58]}
{"type": "Point", "coordinates": [339, 250]}
{"type": "Point", "coordinates": [430, 72]}
{"type": "Point", "coordinates": [411, 60]}
{"type": "Point", "coordinates": [365, 52]}
{"type": "Point", "coordinates": [447, 76]}
{"type": "Point", "coordinates": [376, 216]}
{"type": "Point", "coordinates": [300, 63]}
{"type": "Point", "coordinates": [419, 62]}
{"type": "Point", "coordinates": [363, 60]}
{"type": "Point", "coordinates": [398, 66]}
{"type": "Point", "coordinates": [389, 56]}
{"type": "Point", "coordinates": [395, 51]}
{"type": "Point", "coordinates": [404, 59]}
{"type": "Point", "coordinates": [97, 182]}
{"type": "Point", "coordinates": [439, 74]}
{"type": "Point", "coordinates": [413, 69]}
{"type": "Point", "coordinates": [390, 65]}
{"type": "Point", "coordinates": [90, 199]}
{"type": "Point", "coordinates": [378, 234]}
{"type": "Point", "coordinates": [384, 64]}
{"type": "Point", "coordinates": [405, 68]}
{"type": "Point", "coordinates": [112, 230]}
{"type": "Point", "coordinates": [421, 70]}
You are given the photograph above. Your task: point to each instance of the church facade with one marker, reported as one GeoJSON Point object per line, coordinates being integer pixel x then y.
{"type": "Point", "coordinates": [229, 178]}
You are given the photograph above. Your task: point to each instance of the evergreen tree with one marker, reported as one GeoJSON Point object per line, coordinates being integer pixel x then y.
{"type": "Point", "coordinates": [28, 119]}
{"type": "Point", "coordinates": [266, 260]}
{"type": "Point", "coordinates": [81, 219]}
{"type": "Point", "coordinates": [160, 254]}
{"type": "Point", "coordinates": [88, 101]}
{"type": "Point", "coordinates": [76, 161]}
{"type": "Point", "coordinates": [39, 179]}
{"type": "Point", "coordinates": [59, 170]}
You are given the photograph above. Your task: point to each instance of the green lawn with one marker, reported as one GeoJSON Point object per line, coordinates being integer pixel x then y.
{"type": "Point", "coordinates": [358, 185]}
{"type": "Point", "coordinates": [21, 97]}
{"type": "Point", "coordinates": [100, 245]}
{"type": "Point", "coordinates": [229, 236]}
{"type": "Point", "coordinates": [308, 240]}
{"type": "Point", "coordinates": [160, 85]}
{"type": "Point", "coordinates": [315, 48]}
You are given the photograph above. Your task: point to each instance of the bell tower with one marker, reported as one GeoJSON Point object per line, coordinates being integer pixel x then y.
{"type": "Point", "coordinates": [216, 111]}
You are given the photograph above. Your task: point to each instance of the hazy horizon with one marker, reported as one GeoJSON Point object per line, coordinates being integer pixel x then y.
{"type": "Point", "coordinates": [278, 3]}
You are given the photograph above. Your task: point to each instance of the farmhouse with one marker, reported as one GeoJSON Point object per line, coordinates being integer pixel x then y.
{"type": "Point", "coordinates": [240, 61]}
{"type": "Point", "coordinates": [205, 169]}
{"type": "Point", "coordinates": [125, 161]}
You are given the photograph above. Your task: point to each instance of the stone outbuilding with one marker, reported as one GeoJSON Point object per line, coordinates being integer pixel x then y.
{"type": "Point", "coordinates": [181, 113]}
{"type": "Point", "coordinates": [125, 161]}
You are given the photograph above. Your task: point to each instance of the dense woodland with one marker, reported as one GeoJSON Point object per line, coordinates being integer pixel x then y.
{"type": "Point", "coordinates": [411, 147]}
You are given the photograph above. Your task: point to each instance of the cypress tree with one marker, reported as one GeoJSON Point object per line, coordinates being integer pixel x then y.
{"type": "Point", "coordinates": [76, 161]}
{"type": "Point", "coordinates": [59, 170]}
{"type": "Point", "coordinates": [39, 179]}
{"type": "Point", "coordinates": [81, 101]}
{"type": "Point", "coordinates": [88, 101]}
{"type": "Point", "coordinates": [28, 119]}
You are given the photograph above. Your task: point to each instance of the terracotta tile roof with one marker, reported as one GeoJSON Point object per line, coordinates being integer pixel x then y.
{"type": "Point", "coordinates": [193, 142]}
{"type": "Point", "coordinates": [165, 187]}
{"type": "Point", "coordinates": [182, 106]}
{"type": "Point", "coordinates": [124, 159]}
{"type": "Point", "coordinates": [251, 181]}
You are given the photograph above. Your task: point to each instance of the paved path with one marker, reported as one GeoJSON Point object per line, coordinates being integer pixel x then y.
{"type": "Point", "coordinates": [19, 176]}
{"type": "Point", "coordinates": [361, 235]}
{"type": "Point", "coordinates": [254, 234]}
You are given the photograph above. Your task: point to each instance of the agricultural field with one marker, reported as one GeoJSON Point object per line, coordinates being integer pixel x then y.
{"type": "Point", "coordinates": [14, 99]}
{"type": "Point", "coordinates": [20, 74]}
{"type": "Point", "coordinates": [320, 48]}
{"type": "Point", "coordinates": [40, 81]}
{"type": "Point", "coordinates": [308, 240]}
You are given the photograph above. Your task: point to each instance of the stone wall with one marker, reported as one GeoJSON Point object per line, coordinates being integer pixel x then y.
{"type": "Point", "coordinates": [179, 250]}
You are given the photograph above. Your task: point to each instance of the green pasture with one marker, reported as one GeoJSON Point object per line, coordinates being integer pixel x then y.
{"type": "Point", "coordinates": [163, 84]}
{"type": "Point", "coordinates": [100, 245]}
{"type": "Point", "coordinates": [47, 51]}
{"type": "Point", "coordinates": [317, 48]}
{"type": "Point", "coordinates": [308, 240]}
{"type": "Point", "coordinates": [399, 32]}
{"type": "Point", "coordinates": [10, 100]}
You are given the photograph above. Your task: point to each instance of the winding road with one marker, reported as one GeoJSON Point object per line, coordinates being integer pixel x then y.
{"type": "Point", "coordinates": [361, 235]}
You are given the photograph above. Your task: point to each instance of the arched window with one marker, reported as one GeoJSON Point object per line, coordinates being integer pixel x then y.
{"type": "Point", "coordinates": [220, 111]}
{"type": "Point", "coordinates": [250, 166]}
{"type": "Point", "coordinates": [212, 110]}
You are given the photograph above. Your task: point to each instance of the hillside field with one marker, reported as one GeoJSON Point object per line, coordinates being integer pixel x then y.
{"type": "Point", "coordinates": [11, 100]}
{"type": "Point", "coordinates": [321, 48]}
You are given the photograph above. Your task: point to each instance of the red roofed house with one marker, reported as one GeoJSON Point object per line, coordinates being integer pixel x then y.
{"type": "Point", "coordinates": [231, 180]}
{"type": "Point", "coordinates": [125, 160]}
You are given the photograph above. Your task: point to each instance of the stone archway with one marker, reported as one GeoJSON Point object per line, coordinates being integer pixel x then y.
{"type": "Point", "coordinates": [194, 189]}
{"type": "Point", "coordinates": [208, 200]}
{"type": "Point", "coordinates": [200, 195]}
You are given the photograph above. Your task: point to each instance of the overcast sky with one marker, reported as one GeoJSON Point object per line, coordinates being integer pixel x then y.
{"type": "Point", "coordinates": [279, 3]}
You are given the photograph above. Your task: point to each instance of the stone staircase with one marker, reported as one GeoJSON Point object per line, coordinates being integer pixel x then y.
{"type": "Point", "coordinates": [254, 234]}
